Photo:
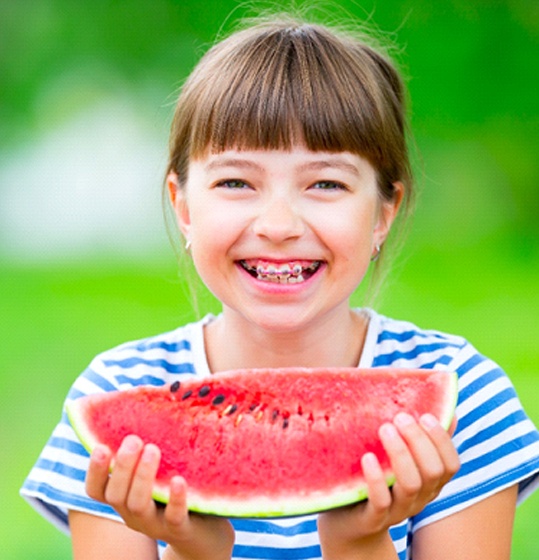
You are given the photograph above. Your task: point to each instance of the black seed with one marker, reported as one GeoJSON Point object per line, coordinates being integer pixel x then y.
{"type": "Point", "coordinates": [254, 406]}
{"type": "Point", "coordinates": [187, 394]}
{"type": "Point", "coordinates": [274, 414]}
{"type": "Point", "coordinates": [285, 423]}
{"type": "Point", "coordinates": [218, 400]}
{"type": "Point", "coordinates": [175, 386]}
{"type": "Point", "coordinates": [231, 409]}
{"type": "Point", "coordinates": [204, 390]}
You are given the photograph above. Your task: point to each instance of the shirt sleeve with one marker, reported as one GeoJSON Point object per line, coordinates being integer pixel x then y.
{"type": "Point", "coordinates": [56, 482]}
{"type": "Point", "coordinates": [497, 443]}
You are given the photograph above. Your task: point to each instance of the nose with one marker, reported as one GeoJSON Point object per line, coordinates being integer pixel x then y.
{"type": "Point", "coordinates": [278, 220]}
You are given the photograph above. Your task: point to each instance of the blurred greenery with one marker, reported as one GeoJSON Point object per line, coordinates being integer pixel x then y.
{"type": "Point", "coordinates": [470, 266]}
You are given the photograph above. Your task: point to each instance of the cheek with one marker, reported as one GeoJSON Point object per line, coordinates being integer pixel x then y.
{"type": "Point", "coordinates": [349, 231]}
{"type": "Point", "coordinates": [212, 235]}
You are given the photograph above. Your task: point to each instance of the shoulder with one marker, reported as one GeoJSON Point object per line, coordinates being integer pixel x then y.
{"type": "Point", "coordinates": [403, 344]}
{"type": "Point", "coordinates": [154, 360]}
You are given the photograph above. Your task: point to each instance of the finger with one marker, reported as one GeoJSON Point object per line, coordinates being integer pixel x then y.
{"type": "Point", "coordinates": [122, 473]}
{"type": "Point", "coordinates": [408, 479]}
{"type": "Point", "coordinates": [378, 491]}
{"type": "Point", "coordinates": [443, 443]}
{"type": "Point", "coordinates": [424, 451]}
{"type": "Point", "coordinates": [97, 476]}
{"type": "Point", "coordinates": [176, 511]}
{"type": "Point", "coordinates": [139, 500]}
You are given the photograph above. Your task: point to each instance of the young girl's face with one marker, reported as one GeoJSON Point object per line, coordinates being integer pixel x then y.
{"type": "Point", "coordinates": [282, 238]}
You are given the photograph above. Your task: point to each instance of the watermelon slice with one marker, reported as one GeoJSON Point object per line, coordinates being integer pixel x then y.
{"type": "Point", "coordinates": [266, 442]}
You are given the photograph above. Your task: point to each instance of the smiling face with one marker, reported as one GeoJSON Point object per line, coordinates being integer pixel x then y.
{"type": "Point", "coordinates": [282, 238]}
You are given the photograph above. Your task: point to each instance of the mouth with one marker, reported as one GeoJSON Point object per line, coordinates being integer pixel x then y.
{"type": "Point", "coordinates": [293, 272]}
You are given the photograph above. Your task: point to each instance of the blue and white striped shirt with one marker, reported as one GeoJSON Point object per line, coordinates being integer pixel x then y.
{"type": "Point", "coordinates": [497, 443]}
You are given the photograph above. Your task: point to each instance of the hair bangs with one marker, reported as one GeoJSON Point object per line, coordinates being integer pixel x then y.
{"type": "Point", "coordinates": [285, 90]}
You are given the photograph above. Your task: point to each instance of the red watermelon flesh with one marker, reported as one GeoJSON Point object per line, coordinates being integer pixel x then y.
{"type": "Point", "coordinates": [266, 442]}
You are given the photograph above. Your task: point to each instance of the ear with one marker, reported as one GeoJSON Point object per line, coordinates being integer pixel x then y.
{"type": "Point", "coordinates": [387, 213]}
{"type": "Point", "coordinates": [179, 203]}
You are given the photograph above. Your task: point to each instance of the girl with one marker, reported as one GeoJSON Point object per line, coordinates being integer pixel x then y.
{"type": "Point", "coordinates": [288, 166]}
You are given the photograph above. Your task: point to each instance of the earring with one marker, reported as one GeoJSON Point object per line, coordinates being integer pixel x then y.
{"type": "Point", "coordinates": [376, 255]}
{"type": "Point", "coordinates": [187, 244]}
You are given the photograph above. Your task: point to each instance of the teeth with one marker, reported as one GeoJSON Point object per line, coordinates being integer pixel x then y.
{"type": "Point", "coordinates": [282, 274]}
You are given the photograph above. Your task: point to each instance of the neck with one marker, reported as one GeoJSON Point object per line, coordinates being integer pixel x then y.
{"type": "Point", "coordinates": [336, 341]}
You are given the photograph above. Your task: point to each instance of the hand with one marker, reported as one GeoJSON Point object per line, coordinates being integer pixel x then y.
{"type": "Point", "coordinates": [129, 491]}
{"type": "Point", "coordinates": [423, 459]}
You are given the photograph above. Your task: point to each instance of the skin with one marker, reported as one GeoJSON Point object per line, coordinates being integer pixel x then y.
{"type": "Point", "coordinates": [282, 207]}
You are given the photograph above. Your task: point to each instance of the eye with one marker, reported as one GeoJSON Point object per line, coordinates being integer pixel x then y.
{"type": "Point", "coordinates": [233, 184]}
{"type": "Point", "coordinates": [329, 185]}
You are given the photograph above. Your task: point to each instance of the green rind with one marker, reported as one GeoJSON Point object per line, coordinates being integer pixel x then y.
{"type": "Point", "coordinates": [446, 418]}
{"type": "Point", "coordinates": [75, 414]}
{"type": "Point", "coordinates": [271, 507]}
{"type": "Point", "coordinates": [266, 507]}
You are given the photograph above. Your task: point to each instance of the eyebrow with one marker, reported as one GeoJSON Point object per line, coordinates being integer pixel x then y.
{"type": "Point", "coordinates": [335, 163]}
{"type": "Point", "coordinates": [315, 165]}
{"type": "Point", "coordinates": [232, 162]}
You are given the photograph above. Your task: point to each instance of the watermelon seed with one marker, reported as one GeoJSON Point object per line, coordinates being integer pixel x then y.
{"type": "Point", "coordinates": [274, 414]}
{"type": "Point", "coordinates": [187, 394]}
{"type": "Point", "coordinates": [238, 419]}
{"type": "Point", "coordinates": [204, 390]}
{"type": "Point", "coordinates": [285, 423]}
{"type": "Point", "coordinates": [230, 409]}
{"type": "Point", "coordinates": [175, 386]}
{"type": "Point", "coordinates": [259, 415]}
{"type": "Point", "coordinates": [218, 400]}
{"type": "Point", "coordinates": [253, 407]}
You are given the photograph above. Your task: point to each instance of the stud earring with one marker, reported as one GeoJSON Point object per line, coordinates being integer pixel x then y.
{"type": "Point", "coordinates": [376, 254]}
{"type": "Point", "coordinates": [187, 244]}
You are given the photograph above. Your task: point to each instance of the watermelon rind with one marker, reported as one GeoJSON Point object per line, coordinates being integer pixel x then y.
{"type": "Point", "coordinates": [76, 418]}
{"type": "Point", "coordinates": [268, 506]}
{"type": "Point", "coordinates": [452, 394]}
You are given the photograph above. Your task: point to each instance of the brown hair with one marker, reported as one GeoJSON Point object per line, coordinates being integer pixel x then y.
{"type": "Point", "coordinates": [282, 82]}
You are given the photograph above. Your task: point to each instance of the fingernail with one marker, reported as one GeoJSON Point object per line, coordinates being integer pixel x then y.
{"type": "Point", "coordinates": [149, 453]}
{"type": "Point", "coordinates": [428, 421]}
{"type": "Point", "coordinates": [388, 431]}
{"type": "Point", "coordinates": [99, 454]}
{"type": "Point", "coordinates": [130, 444]}
{"type": "Point", "coordinates": [403, 419]}
{"type": "Point", "coordinates": [370, 461]}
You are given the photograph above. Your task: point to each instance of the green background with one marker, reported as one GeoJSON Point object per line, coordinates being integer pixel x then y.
{"type": "Point", "coordinates": [470, 264]}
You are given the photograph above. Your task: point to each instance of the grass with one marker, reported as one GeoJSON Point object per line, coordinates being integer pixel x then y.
{"type": "Point", "coordinates": [55, 319]}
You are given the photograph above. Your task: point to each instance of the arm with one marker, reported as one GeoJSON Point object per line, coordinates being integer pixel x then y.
{"type": "Point", "coordinates": [95, 537]}
{"type": "Point", "coordinates": [480, 532]}
{"type": "Point", "coordinates": [128, 489]}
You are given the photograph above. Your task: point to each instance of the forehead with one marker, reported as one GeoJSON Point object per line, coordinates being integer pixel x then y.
{"type": "Point", "coordinates": [298, 159]}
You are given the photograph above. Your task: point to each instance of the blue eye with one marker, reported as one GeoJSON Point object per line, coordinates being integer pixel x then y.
{"type": "Point", "coordinates": [329, 185]}
{"type": "Point", "coordinates": [233, 184]}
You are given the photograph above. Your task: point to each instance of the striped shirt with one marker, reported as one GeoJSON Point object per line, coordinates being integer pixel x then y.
{"type": "Point", "coordinates": [497, 443]}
